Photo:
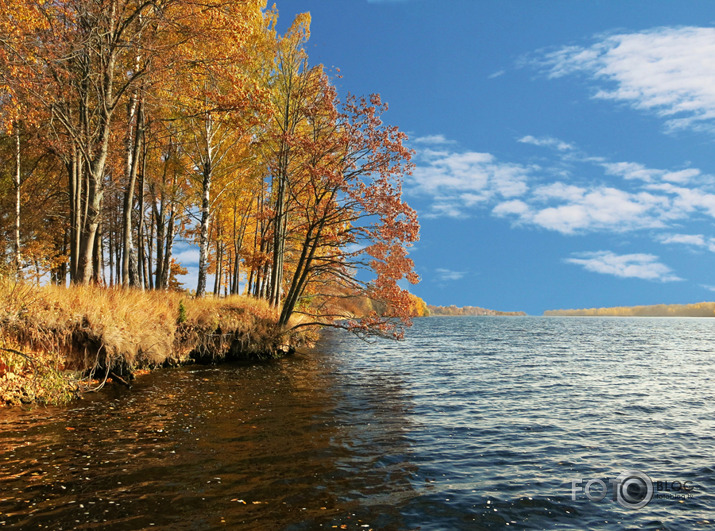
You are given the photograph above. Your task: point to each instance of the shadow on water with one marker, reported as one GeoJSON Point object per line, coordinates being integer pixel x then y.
{"type": "Point", "coordinates": [274, 445]}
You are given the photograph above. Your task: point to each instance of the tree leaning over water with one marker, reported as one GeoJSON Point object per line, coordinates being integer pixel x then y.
{"type": "Point", "coordinates": [147, 121]}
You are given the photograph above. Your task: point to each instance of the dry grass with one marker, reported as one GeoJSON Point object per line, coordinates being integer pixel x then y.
{"type": "Point", "coordinates": [87, 328]}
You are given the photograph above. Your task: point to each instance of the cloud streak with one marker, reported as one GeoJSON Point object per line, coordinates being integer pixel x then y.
{"type": "Point", "coordinates": [459, 181]}
{"type": "Point", "coordinates": [448, 275]}
{"type": "Point", "coordinates": [433, 140]}
{"type": "Point", "coordinates": [638, 265]}
{"type": "Point", "coordinates": [547, 141]}
{"type": "Point", "coordinates": [691, 240]}
{"type": "Point", "coordinates": [669, 71]}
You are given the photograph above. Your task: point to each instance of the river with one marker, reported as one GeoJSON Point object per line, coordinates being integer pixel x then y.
{"type": "Point", "coordinates": [469, 423]}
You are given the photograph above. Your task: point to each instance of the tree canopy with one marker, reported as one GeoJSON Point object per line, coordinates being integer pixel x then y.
{"type": "Point", "coordinates": [131, 124]}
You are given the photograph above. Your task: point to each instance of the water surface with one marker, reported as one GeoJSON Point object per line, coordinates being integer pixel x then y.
{"type": "Point", "coordinates": [470, 423]}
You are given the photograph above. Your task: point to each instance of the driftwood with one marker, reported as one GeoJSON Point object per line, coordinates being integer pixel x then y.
{"type": "Point", "coordinates": [119, 379]}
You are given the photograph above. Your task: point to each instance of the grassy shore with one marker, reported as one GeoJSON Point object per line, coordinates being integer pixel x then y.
{"type": "Point", "coordinates": [56, 343]}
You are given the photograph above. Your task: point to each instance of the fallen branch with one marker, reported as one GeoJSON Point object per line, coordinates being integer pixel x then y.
{"type": "Point", "coordinates": [119, 379]}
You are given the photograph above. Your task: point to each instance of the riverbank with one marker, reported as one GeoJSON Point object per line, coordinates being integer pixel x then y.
{"type": "Point", "coordinates": [700, 309]}
{"type": "Point", "coordinates": [56, 343]}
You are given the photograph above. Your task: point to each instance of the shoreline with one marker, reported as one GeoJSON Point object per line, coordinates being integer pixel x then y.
{"type": "Point", "coordinates": [57, 343]}
{"type": "Point", "coordinates": [698, 309]}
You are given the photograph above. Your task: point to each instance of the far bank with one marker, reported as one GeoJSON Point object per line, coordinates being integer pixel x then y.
{"type": "Point", "coordinates": [700, 309]}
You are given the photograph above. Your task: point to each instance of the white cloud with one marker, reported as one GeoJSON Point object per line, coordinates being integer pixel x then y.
{"type": "Point", "coordinates": [686, 200]}
{"type": "Point", "coordinates": [444, 275]}
{"type": "Point", "coordinates": [636, 171]}
{"type": "Point", "coordinates": [446, 208]}
{"type": "Point", "coordinates": [693, 240]}
{"type": "Point", "coordinates": [459, 181]}
{"type": "Point", "coordinates": [682, 176]}
{"type": "Point", "coordinates": [582, 210]}
{"type": "Point", "coordinates": [575, 194]}
{"type": "Point", "coordinates": [186, 257]}
{"type": "Point", "coordinates": [644, 266]}
{"type": "Point", "coordinates": [514, 206]}
{"type": "Point", "coordinates": [630, 170]}
{"type": "Point", "coordinates": [667, 70]}
{"type": "Point", "coordinates": [697, 240]}
{"type": "Point", "coordinates": [546, 141]}
{"type": "Point", "coordinates": [559, 191]}
{"type": "Point", "coordinates": [433, 140]}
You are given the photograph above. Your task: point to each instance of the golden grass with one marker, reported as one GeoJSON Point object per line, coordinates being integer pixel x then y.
{"type": "Point", "coordinates": [86, 327]}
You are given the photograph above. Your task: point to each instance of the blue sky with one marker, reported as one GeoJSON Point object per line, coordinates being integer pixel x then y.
{"type": "Point", "coordinates": [564, 149]}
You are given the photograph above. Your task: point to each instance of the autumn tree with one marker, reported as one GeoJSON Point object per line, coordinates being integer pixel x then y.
{"type": "Point", "coordinates": [153, 119]}
{"type": "Point", "coordinates": [354, 218]}
{"type": "Point", "coordinates": [214, 100]}
{"type": "Point", "coordinates": [290, 91]}
{"type": "Point", "coordinates": [80, 63]}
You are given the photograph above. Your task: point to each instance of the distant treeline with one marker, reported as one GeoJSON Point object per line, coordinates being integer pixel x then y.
{"type": "Point", "coordinates": [700, 309]}
{"type": "Point", "coordinates": [466, 310]}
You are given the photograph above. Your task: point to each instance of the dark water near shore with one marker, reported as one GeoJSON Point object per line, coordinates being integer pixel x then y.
{"type": "Point", "coordinates": [470, 423]}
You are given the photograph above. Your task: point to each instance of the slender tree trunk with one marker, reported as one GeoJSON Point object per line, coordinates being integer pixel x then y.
{"type": "Point", "coordinates": [62, 270]}
{"type": "Point", "coordinates": [166, 267]}
{"type": "Point", "coordinates": [18, 182]}
{"type": "Point", "coordinates": [204, 228]}
{"type": "Point", "coordinates": [131, 166]}
{"type": "Point", "coordinates": [140, 228]}
{"type": "Point", "coordinates": [150, 252]}
{"type": "Point", "coordinates": [111, 259]}
{"type": "Point", "coordinates": [95, 192]}
{"type": "Point", "coordinates": [96, 257]}
{"type": "Point", "coordinates": [236, 273]}
{"type": "Point", "coordinates": [74, 183]}
{"type": "Point", "coordinates": [219, 268]}
{"type": "Point", "coordinates": [159, 219]}
{"type": "Point", "coordinates": [207, 177]}
{"type": "Point", "coordinates": [302, 271]}
{"type": "Point", "coordinates": [278, 242]}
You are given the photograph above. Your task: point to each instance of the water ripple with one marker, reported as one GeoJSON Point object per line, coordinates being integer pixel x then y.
{"type": "Point", "coordinates": [470, 423]}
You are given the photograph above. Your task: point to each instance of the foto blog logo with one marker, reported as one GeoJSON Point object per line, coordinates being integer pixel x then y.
{"type": "Point", "coordinates": [631, 489]}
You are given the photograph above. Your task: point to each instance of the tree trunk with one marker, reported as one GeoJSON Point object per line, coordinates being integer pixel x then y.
{"type": "Point", "coordinates": [204, 234]}
{"type": "Point", "coordinates": [75, 183]}
{"type": "Point", "coordinates": [132, 164]}
{"type": "Point", "coordinates": [96, 270]}
{"type": "Point", "coordinates": [18, 182]}
{"type": "Point", "coordinates": [150, 252]}
{"type": "Point", "coordinates": [219, 268]}
{"type": "Point", "coordinates": [159, 219]}
{"type": "Point", "coordinates": [279, 226]}
{"type": "Point", "coordinates": [166, 267]}
{"type": "Point", "coordinates": [140, 228]}
{"type": "Point", "coordinates": [85, 266]}
{"type": "Point", "coordinates": [207, 177]}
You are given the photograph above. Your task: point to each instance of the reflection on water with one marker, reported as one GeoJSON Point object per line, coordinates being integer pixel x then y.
{"type": "Point", "coordinates": [471, 423]}
{"type": "Point", "coordinates": [200, 447]}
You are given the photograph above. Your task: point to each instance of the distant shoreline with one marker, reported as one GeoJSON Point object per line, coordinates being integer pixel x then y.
{"type": "Point", "coordinates": [700, 309]}
{"type": "Point", "coordinates": [467, 311]}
